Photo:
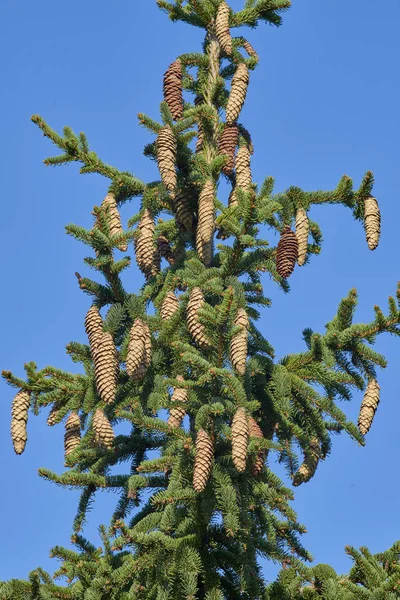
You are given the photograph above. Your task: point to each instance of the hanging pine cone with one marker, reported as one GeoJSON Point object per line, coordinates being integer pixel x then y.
{"type": "Point", "coordinates": [302, 229]}
{"type": "Point", "coordinates": [169, 306]}
{"type": "Point", "coordinates": [239, 343]}
{"type": "Point", "coordinates": [368, 406]}
{"type": "Point", "coordinates": [147, 257]}
{"type": "Point", "coordinates": [166, 155]}
{"type": "Point", "coordinates": [240, 438]}
{"type": "Point", "coordinates": [93, 327]}
{"type": "Point", "coordinates": [177, 414]}
{"type": "Point", "coordinates": [243, 170]}
{"type": "Point", "coordinates": [164, 249]}
{"type": "Point", "coordinates": [222, 28]}
{"type": "Point", "coordinates": [309, 466]}
{"type": "Point", "coordinates": [72, 435]}
{"type": "Point", "coordinates": [206, 223]}
{"type": "Point", "coordinates": [104, 433]}
{"type": "Point", "coordinates": [173, 89]}
{"type": "Point", "coordinates": [51, 419]}
{"type": "Point", "coordinates": [200, 139]}
{"type": "Point", "coordinates": [196, 329]}
{"type": "Point", "coordinates": [183, 211]}
{"type": "Point", "coordinates": [227, 144]}
{"type": "Point", "coordinates": [19, 419]}
{"type": "Point", "coordinates": [250, 50]}
{"type": "Point", "coordinates": [203, 461]}
{"type": "Point", "coordinates": [114, 219]}
{"type": "Point", "coordinates": [237, 94]}
{"type": "Point", "coordinates": [255, 432]}
{"type": "Point", "coordinates": [106, 368]}
{"type": "Point", "coordinates": [139, 350]}
{"type": "Point", "coordinates": [372, 222]}
{"type": "Point", "coordinates": [286, 253]}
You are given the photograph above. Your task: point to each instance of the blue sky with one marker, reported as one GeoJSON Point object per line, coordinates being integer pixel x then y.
{"type": "Point", "coordinates": [323, 103]}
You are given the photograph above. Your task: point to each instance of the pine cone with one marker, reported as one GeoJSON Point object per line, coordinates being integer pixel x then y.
{"type": "Point", "coordinates": [206, 223]}
{"type": "Point", "coordinates": [286, 253]}
{"type": "Point", "coordinates": [93, 327]}
{"type": "Point", "coordinates": [368, 406]}
{"type": "Point", "coordinates": [183, 211]}
{"type": "Point", "coordinates": [203, 461]}
{"type": "Point", "coordinates": [250, 50]}
{"type": "Point", "coordinates": [104, 433]}
{"type": "Point", "coordinates": [222, 28]}
{"type": "Point", "coordinates": [200, 139]}
{"type": "Point", "coordinates": [237, 94]}
{"type": "Point", "coordinates": [114, 219]}
{"type": "Point", "coordinates": [372, 222]}
{"type": "Point", "coordinates": [176, 415]}
{"type": "Point", "coordinates": [147, 257]}
{"type": "Point", "coordinates": [227, 144]}
{"type": "Point", "coordinates": [19, 419]}
{"type": "Point", "coordinates": [255, 432]}
{"type": "Point", "coordinates": [139, 350]}
{"type": "Point", "coordinates": [51, 419]}
{"type": "Point", "coordinates": [72, 435]}
{"type": "Point", "coordinates": [243, 171]}
{"type": "Point", "coordinates": [166, 155]}
{"type": "Point", "coordinates": [196, 329]}
{"type": "Point", "coordinates": [239, 343]}
{"type": "Point", "coordinates": [240, 438]}
{"type": "Point", "coordinates": [106, 368]}
{"type": "Point", "coordinates": [164, 249]}
{"type": "Point", "coordinates": [302, 229]}
{"type": "Point", "coordinates": [309, 466]}
{"type": "Point", "coordinates": [169, 306]}
{"type": "Point", "coordinates": [173, 89]}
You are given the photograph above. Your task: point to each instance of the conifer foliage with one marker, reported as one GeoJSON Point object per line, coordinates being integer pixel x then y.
{"type": "Point", "coordinates": [198, 501]}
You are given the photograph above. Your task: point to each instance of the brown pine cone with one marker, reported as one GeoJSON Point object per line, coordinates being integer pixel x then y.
{"type": "Point", "coordinates": [19, 419]}
{"type": "Point", "coordinates": [238, 347]}
{"type": "Point", "coordinates": [106, 368]}
{"type": "Point", "coordinates": [372, 222]}
{"type": "Point", "coordinates": [368, 406]}
{"type": "Point", "coordinates": [166, 154]}
{"type": "Point", "coordinates": [169, 306]}
{"type": "Point", "coordinates": [164, 249]}
{"type": "Point", "coordinates": [114, 219]}
{"type": "Point", "coordinates": [93, 327]}
{"type": "Point", "coordinates": [250, 50]}
{"type": "Point", "coordinates": [237, 94]}
{"type": "Point", "coordinates": [104, 433]}
{"type": "Point", "coordinates": [139, 350]}
{"type": "Point", "coordinates": [203, 461]}
{"type": "Point", "coordinates": [240, 438]}
{"type": "Point", "coordinates": [177, 414]}
{"type": "Point", "coordinates": [222, 28]}
{"type": "Point", "coordinates": [173, 89]}
{"type": "Point", "coordinates": [183, 211]}
{"type": "Point", "coordinates": [309, 466]}
{"type": "Point", "coordinates": [200, 139]}
{"type": "Point", "coordinates": [206, 223]}
{"type": "Point", "coordinates": [286, 253]}
{"type": "Point", "coordinates": [196, 329]}
{"type": "Point", "coordinates": [255, 432]}
{"type": "Point", "coordinates": [302, 229]}
{"type": "Point", "coordinates": [72, 435]}
{"type": "Point", "coordinates": [147, 258]}
{"type": "Point", "coordinates": [51, 419]}
{"type": "Point", "coordinates": [227, 144]}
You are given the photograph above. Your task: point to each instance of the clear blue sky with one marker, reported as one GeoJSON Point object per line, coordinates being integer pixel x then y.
{"type": "Point", "coordinates": [323, 102]}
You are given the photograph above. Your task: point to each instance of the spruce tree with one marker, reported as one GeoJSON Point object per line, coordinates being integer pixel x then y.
{"type": "Point", "coordinates": [192, 522]}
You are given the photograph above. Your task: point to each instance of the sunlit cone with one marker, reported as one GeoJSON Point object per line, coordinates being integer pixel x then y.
{"type": "Point", "coordinates": [255, 432]}
{"type": "Point", "coordinates": [139, 350]}
{"type": "Point", "coordinates": [243, 173]}
{"type": "Point", "coordinates": [164, 249]}
{"type": "Point", "coordinates": [173, 89]}
{"type": "Point", "coordinates": [206, 223]}
{"type": "Point", "coordinates": [237, 94]}
{"type": "Point", "coordinates": [368, 406]}
{"type": "Point", "coordinates": [114, 219]}
{"type": "Point", "coordinates": [103, 431]}
{"type": "Point", "coordinates": [169, 305]}
{"type": "Point", "coordinates": [200, 139]}
{"type": "Point", "coordinates": [184, 213]}
{"type": "Point", "coordinates": [222, 28]}
{"type": "Point", "coordinates": [302, 229]}
{"type": "Point", "coordinates": [372, 222]}
{"type": "Point", "coordinates": [72, 435]}
{"type": "Point", "coordinates": [227, 145]}
{"type": "Point", "coordinates": [166, 155]}
{"type": "Point", "coordinates": [147, 257]}
{"type": "Point", "coordinates": [240, 438]}
{"type": "Point", "coordinates": [286, 253]}
{"type": "Point", "coordinates": [93, 327]}
{"type": "Point", "coordinates": [309, 466]}
{"type": "Point", "coordinates": [106, 367]}
{"type": "Point", "coordinates": [250, 50]}
{"type": "Point", "coordinates": [19, 419]}
{"type": "Point", "coordinates": [177, 414]}
{"type": "Point", "coordinates": [238, 347]}
{"type": "Point", "coordinates": [203, 461]}
{"type": "Point", "coordinates": [51, 419]}
{"type": "Point", "coordinates": [196, 329]}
